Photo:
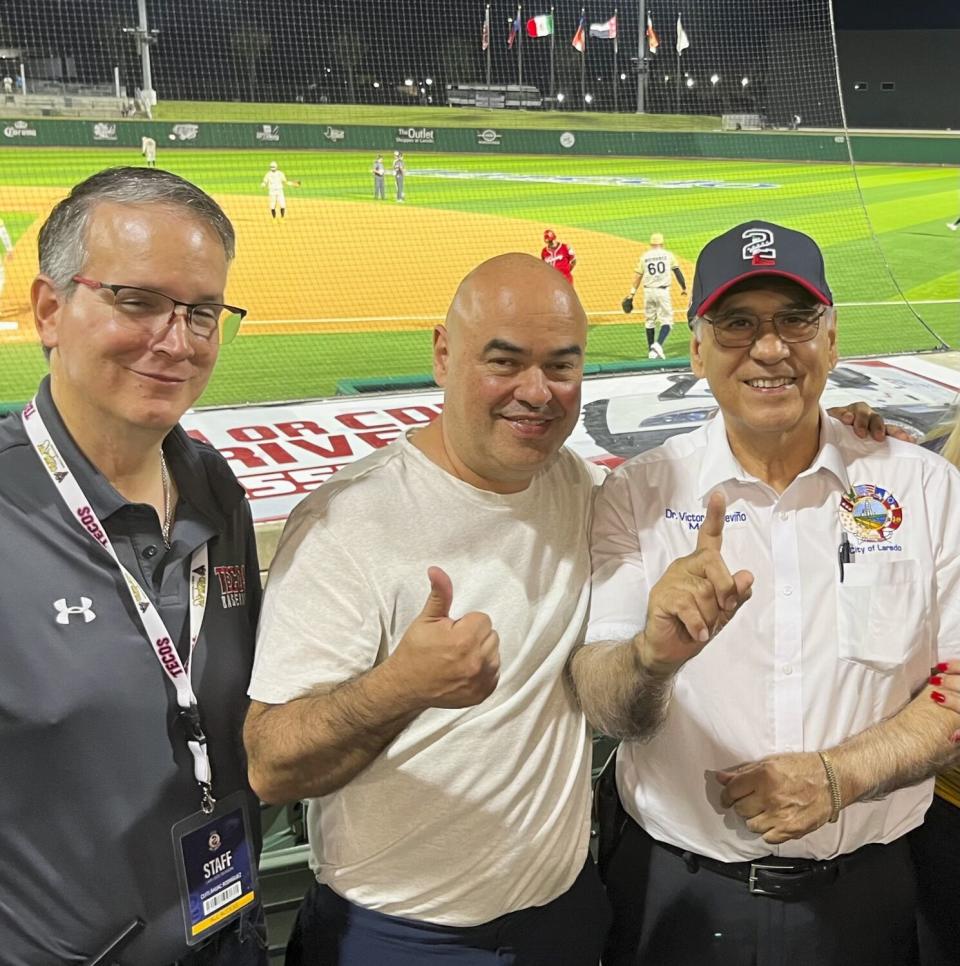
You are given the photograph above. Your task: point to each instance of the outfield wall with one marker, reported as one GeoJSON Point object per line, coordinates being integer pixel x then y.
{"type": "Point", "coordinates": [761, 146]}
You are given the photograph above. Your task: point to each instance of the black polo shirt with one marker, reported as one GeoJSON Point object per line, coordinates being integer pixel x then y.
{"type": "Point", "coordinates": [94, 768]}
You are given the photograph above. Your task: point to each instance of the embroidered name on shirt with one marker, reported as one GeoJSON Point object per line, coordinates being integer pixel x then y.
{"type": "Point", "coordinates": [233, 584]}
{"type": "Point", "coordinates": [695, 518]}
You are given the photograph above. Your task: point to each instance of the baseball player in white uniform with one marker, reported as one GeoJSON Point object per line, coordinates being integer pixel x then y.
{"type": "Point", "coordinates": [275, 181]}
{"type": "Point", "coordinates": [148, 148]}
{"type": "Point", "coordinates": [653, 273]}
{"type": "Point", "coordinates": [7, 253]}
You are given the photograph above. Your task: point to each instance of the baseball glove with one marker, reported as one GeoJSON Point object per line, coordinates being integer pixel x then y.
{"type": "Point", "coordinates": [296, 184]}
{"type": "Point", "coordinates": [627, 304]}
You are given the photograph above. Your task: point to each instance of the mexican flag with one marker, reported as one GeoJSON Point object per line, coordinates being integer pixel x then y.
{"type": "Point", "coordinates": [541, 26]}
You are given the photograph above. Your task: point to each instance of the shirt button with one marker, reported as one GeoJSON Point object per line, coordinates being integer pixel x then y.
{"type": "Point", "coordinates": [150, 551]}
{"type": "Point", "coordinates": [788, 591]}
{"type": "Point", "coordinates": [784, 516]}
{"type": "Point", "coordinates": [788, 669]}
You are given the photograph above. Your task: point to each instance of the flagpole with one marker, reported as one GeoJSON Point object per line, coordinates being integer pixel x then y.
{"type": "Point", "coordinates": [616, 76]}
{"type": "Point", "coordinates": [489, 45]}
{"type": "Point", "coordinates": [676, 47]}
{"type": "Point", "coordinates": [520, 55]}
{"type": "Point", "coordinates": [583, 61]}
{"type": "Point", "coordinates": [553, 34]}
{"type": "Point", "coordinates": [641, 63]}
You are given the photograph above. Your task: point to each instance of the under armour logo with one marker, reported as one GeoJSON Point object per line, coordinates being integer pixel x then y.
{"type": "Point", "coordinates": [64, 610]}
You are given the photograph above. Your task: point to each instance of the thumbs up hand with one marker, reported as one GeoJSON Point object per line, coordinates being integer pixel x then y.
{"type": "Point", "coordinates": [693, 600]}
{"type": "Point", "coordinates": [447, 663]}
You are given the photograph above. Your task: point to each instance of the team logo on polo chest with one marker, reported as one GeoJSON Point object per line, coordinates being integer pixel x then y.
{"type": "Point", "coordinates": [233, 584]}
{"type": "Point", "coordinates": [870, 513]}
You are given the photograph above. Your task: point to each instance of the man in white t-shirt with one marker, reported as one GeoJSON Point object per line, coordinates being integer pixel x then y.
{"type": "Point", "coordinates": [410, 671]}
{"type": "Point", "coordinates": [653, 273]}
{"type": "Point", "coordinates": [765, 817]}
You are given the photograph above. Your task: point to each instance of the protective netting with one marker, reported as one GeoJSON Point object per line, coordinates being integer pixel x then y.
{"type": "Point", "coordinates": [745, 122]}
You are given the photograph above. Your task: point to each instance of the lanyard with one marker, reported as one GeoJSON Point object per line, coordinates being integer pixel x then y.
{"type": "Point", "coordinates": [156, 631]}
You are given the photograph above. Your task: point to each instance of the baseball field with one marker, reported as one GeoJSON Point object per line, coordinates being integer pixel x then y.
{"type": "Point", "coordinates": [346, 287]}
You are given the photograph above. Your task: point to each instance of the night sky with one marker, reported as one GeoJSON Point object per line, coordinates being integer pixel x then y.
{"type": "Point", "coordinates": [337, 50]}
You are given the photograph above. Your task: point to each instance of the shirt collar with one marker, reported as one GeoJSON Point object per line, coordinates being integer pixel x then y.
{"type": "Point", "coordinates": [213, 496]}
{"type": "Point", "coordinates": [720, 466]}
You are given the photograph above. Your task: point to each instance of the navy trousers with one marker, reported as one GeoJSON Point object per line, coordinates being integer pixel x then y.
{"type": "Point", "coordinates": [570, 931]}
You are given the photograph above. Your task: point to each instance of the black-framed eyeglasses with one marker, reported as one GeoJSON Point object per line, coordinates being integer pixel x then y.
{"type": "Point", "coordinates": [738, 329]}
{"type": "Point", "coordinates": [147, 309]}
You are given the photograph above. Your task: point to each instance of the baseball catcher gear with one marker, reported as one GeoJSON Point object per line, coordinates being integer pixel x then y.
{"type": "Point", "coordinates": [627, 304]}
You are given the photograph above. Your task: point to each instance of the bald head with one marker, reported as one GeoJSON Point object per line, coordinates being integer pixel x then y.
{"type": "Point", "coordinates": [513, 287]}
{"type": "Point", "coordinates": [510, 361]}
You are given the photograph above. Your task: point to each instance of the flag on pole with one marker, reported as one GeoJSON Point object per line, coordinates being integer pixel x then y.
{"type": "Point", "coordinates": [605, 31]}
{"type": "Point", "coordinates": [485, 35]}
{"type": "Point", "coordinates": [514, 30]}
{"type": "Point", "coordinates": [653, 42]}
{"type": "Point", "coordinates": [541, 26]}
{"type": "Point", "coordinates": [578, 39]}
{"type": "Point", "coordinates": [683, 41]}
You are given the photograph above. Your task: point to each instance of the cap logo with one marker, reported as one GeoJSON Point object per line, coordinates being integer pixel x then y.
{"type": "Point", "coordinates": [759, 248]}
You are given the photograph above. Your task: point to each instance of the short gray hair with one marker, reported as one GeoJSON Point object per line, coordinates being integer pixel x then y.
{"type": "Point", "coordinates": [62, 242]}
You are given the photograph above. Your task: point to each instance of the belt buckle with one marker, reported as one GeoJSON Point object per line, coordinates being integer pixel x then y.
{"type": "Point", "coordinates": [762, 867]}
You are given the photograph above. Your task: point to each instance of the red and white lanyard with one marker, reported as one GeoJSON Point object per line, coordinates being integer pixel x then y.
{"type": "Point", "coordinates": [156, 631]}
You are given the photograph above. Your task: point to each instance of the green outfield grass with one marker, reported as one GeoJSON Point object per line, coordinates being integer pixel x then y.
{"type": "Point", "coordinates": [392, 115]}
{"type": "Point", "coordinates": [907, 206]}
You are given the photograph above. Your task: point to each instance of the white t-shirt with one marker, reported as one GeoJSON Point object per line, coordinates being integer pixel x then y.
{"type": "Point", "coordinates": [469, 813]}
{"type": "Point", "coordinates": [809, 660]}
{"type": "Point", "coordinates": [655, 267]}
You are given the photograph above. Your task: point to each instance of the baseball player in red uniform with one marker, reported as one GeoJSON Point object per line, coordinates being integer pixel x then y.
{"type": "Point", "coordinates": [558, 254]}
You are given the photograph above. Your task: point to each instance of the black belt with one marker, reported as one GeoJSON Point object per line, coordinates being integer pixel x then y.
{"type": "Point", "coordinates": [772, 875]}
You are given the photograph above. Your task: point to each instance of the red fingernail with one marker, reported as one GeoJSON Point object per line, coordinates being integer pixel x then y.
{"type": "Point", "coordinates": [955, 737]}
{"type": "Point", "coordinates": [937, 696]}
{"type": "Point", "coordinates": [936, 679]}
{"type": "Point", "coordinates": [943, 667]}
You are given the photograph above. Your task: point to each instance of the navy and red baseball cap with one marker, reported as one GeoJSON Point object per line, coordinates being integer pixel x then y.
{"type": "Point", "coordinates": [757, 248]}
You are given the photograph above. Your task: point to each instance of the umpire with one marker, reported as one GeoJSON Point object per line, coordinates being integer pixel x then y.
{"type": "Point", "coordinates": [129, 601]}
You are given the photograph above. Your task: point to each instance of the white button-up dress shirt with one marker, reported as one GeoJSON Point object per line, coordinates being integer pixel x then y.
{"type": "Point", "coordinates": [811, 659]}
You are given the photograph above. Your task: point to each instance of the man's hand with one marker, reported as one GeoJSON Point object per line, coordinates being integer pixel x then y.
{"type": "Point", "coordinates": [693, 600]}
{"type": "Point", "coordinates": [447, 663]}
{"type": "Point", "coordinates": [865, 422]}
{"type": "Point", "coordinates": [782, 797]}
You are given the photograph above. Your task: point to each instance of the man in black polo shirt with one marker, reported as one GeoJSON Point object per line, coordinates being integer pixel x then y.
{"type": "Point", "coordinates": [129, 600]}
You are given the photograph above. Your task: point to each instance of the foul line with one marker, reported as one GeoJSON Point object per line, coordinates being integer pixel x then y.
{"type": "Point", "coordinates": [334, 320]}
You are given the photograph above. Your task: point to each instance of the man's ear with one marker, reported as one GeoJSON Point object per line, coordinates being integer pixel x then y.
{"type": "Point", "coordinates": [696, 359]}
{"type": "Point", "coordinates": [47, 303]}
{"type": "Point", "coordinates": [441, 354]}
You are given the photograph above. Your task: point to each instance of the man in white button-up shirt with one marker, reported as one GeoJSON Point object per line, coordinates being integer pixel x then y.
{"type": "Point", "coordinates": [765, 817]}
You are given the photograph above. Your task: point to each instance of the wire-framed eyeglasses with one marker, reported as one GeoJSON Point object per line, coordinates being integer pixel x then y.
{"type": "Point", "coordinates": [738, 329]}
{"type": "Point", "coordinates": [150, 310]}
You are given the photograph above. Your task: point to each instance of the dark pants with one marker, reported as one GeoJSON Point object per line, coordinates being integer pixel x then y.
{"type": "Point", "coordinates": [935, 847]}
{"type": "Point", "coordinates": [570, 931]}
{"type": "Point", "coordinates": [242, 943]}
{"type": "Point", "coordinates": [664, 914]}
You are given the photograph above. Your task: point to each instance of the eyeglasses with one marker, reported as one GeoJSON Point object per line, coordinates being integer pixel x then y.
{"type": "Point", "coordinates": [149, 310]}
{"type": "Point", "coordinates": [737, 329]}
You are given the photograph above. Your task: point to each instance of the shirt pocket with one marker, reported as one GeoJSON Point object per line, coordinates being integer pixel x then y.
{"type": "Point", "coordinates": [880, 613]}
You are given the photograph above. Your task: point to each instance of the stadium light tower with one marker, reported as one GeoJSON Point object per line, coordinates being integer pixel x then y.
{"type": "Point", "coordinates": [714, 79]}
{"type": "Point", "coordinates": [744, 81]}
{"type": "Point", "coordinates": [561, 97]}
{"type": "Point", "coordinates": [145, 39]}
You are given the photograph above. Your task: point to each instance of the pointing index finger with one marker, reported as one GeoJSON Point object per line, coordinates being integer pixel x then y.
{"type": "Point", "coordinates": [710, 536]}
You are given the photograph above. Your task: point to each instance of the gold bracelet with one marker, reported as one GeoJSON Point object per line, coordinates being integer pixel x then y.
{"type": "Point", "coordinates": [836, 802]}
